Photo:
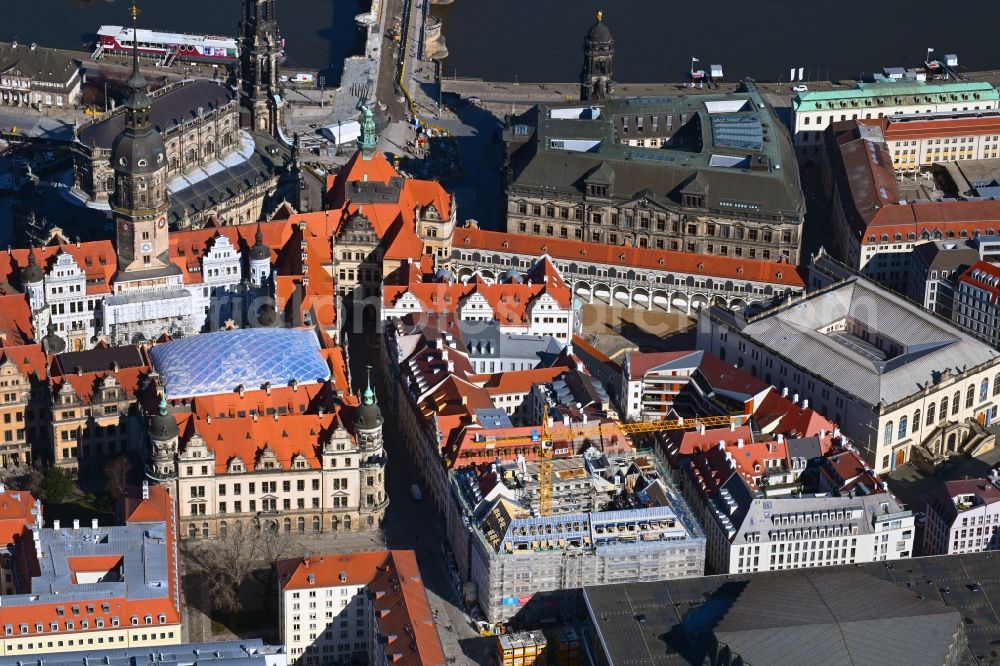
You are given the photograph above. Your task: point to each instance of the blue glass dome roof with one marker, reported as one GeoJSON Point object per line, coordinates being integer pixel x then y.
{"type": "Point", "coordinates": [220, 362]}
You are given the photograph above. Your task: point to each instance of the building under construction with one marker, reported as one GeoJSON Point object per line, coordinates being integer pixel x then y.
{"type": "Point", "coordinates": [612, 518]}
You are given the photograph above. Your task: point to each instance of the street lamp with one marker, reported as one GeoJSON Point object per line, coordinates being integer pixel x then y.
{"type": "Point", "coordinates": [322, 85]}
{"type": "Point", "coordinates": [927, 59]}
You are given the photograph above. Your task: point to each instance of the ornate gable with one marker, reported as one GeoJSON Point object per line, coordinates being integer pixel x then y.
{"type": "Point", "coordinates": [357, 230]}
{"type": "Point", "coordinates": [267, 459]}
{"type": "Point", "coordinates": [235, 465]}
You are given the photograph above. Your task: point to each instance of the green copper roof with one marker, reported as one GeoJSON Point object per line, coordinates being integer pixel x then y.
{"type": "Point", "coordinates": [883, 93]}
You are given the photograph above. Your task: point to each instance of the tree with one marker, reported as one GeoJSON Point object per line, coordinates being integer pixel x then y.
{"type": "Point", "coordinates": [231, 561]}
{"type": "Point", "coordinates": [116, 476]}
{"type": "Point", "coordinates": [55, 485]}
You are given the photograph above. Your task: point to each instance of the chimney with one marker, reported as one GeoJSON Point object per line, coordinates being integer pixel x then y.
{"type": "Point", "coordinates": [732, 426]}
{"type": "Point", "coordinates": [145, 490]}
{"type": "Point", "coordinates": [780, 438]}
{"type": "Point", "coordinates": [739, 443]}
{"type": "Point", "coordinates": [295, 384]}
{"type": "Point", "coordinates": [56, 525]}
{"type": "Point", "coordinates": [3, 488]}
{"type": "Point", "coordinates": [795, 399]}
{"type": "Point", "coordinates": [722, 444]}
{"type": "Point", "coordinates": [784, 392]}
{"type": "Point", "coordinates": [805, 403]}
{"type": "Point", "coordinates": [76, 523]}
{"type": "Point", "coordinates": [93, 523]}
{"type": "Point", "coordinates": [254, 415]}
{"type": "Point", "coordinates": [267, 388]}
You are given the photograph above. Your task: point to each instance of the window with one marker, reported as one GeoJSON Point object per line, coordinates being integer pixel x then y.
{"type": "Point", "coordinates": [887, 435]}
{"type": "Point", "coordinates": [970, 397]}
{"type": "Point", "coordinates": [984, 390]}
{"type": "Point", "coordinates": [902, 427]}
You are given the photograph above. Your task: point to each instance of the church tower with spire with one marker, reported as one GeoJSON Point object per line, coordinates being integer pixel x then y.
{"type": "Point", "coordinates": [369, 136]}
{"type": "Point", "coordinates": [139, 202]}
{"type": "Point", "coordinates": [368, 434]}
{"type": "Point", "coordinates": [597, 78]}
{"type": "Point", "coordinates": [261, 50]}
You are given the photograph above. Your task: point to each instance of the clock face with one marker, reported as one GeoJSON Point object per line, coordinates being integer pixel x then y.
{"type": "Point", "coordinates": [162, 222]}
{"type": "Point", "coordinates": [124, 226]}
{"type": "Point", "coordinates": [146, 247]}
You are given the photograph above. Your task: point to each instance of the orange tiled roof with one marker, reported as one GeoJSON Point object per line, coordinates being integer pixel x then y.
{"type": "Point", "coordinates": [872, 198]}
{"type": "Point", "coordinates": [474, 444]}
{"type": "Point", "coordinates": [787, 417]}
{"type": "Point", "coordinates": [899, 129]}
{"type": "Point", "coordinates": [508, 300]}
{"type": "Point", "coordinates": [400, 600]}
{"type": "Point", "coordinates": [301, 399]}
{"type": "Point", "coordinates": [244, 437]}
{"type": "Point", "coordinates": [189, 246]}
{"type": "Point", "coordinates": [97, 259]}
{"type": "Point", "coordinates": [516, 381]}
{"type": "Point", "coordinates": [30, 359]}
{"type": "Point", "coordinates": [636, 257]}
{"type": "Point", "coordinates": [15, 321]}
{"type": "Point", "coordinates": [980, 275]}
{"type": "Point", "coordinates": [156, 508]}
{"type": "Point", "coordinates": [86, 384]}
{"type": "Point", "coordinates": [15, 514]}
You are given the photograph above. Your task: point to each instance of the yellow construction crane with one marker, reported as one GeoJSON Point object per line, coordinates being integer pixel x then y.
{"type": "Point", "coordinates": [544, 440]}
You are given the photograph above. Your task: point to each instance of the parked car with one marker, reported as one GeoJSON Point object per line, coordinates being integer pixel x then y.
{"type": "Point", "coordinates": [800, 88]}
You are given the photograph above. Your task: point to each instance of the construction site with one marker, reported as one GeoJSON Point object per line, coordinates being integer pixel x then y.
{"type": "Point", "coordinates": [523, 544]}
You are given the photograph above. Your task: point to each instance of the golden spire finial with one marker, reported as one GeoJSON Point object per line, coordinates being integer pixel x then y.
{"type": "Point", "coordinates": [600, 16]}
{"type": "Point", "coordinates": [135, 11]}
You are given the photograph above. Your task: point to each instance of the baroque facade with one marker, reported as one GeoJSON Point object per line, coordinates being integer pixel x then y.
{"type": "Point", "coordinates": [706, 174]}
{"type": "Point", "coordinates": [198, 121]}
{"type": "Point", "coordinates": [295, 472]}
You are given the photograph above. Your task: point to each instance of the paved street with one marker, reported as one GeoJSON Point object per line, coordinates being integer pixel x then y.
{"type": "Point", "coordinates": [414, 525]}
{"type": "Point", "coordinates": [409, 524]}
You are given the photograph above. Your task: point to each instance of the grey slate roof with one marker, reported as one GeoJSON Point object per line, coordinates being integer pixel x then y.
{"type": "Point", "coordinates": [929, 345]}
{"type": "Point", "coordinates": [706, 126]}
{"type": "Point", "coordinates": [946, 254]}
{"type": "Point", "coordinates": [484, 340]}
{"type": "Point", "coordinates": [39, 64]}
{"type": "Point", "coordinates": [671, 622]}
{"type": "Point", "coordinates": [101, 358]}
{"type": "Point", "coordinates": [229, 182]}
{"type": "Point", "coordinates": [845, 617]}
{"type": "Point", "coordinates": [169, 109]}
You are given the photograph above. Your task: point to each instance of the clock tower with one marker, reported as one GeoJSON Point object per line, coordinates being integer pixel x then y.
{"type": "Point", "coordinates": [139, 202]}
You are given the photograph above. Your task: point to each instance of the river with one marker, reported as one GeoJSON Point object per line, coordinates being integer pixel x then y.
{"type": "Point", "coordinates": [319, 34]}
{"type": "Point", "coordinates": [541, 40]}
